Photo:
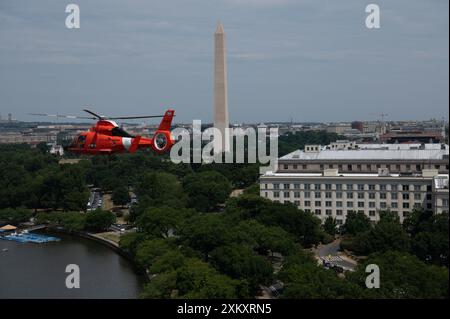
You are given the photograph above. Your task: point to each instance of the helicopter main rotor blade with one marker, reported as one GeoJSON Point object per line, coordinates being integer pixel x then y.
{"type": "Point", "coordinates": [96, 115]}
{"type": "Point", "coordinates": [63, 116]}
{"type": "Point", "coordinates": [134, 117]}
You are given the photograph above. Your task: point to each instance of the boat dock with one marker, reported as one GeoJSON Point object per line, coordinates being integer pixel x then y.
{"type": "Point", "coordinates": [30, 238]}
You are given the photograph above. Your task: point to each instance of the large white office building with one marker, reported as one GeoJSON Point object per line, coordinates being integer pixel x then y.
{"type": "Point", "coordinates": [341, 177]}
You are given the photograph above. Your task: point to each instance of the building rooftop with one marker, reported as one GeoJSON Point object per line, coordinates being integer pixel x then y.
{"type": "Point", "coordinates": [441, 180]}
{"type": "Point", "coordinates": [375, 152]}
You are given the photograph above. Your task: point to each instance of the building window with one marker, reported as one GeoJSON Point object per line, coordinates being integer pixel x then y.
{"type": "Point", "coordinates": [307, 194]}
{"type": "Point", "coordinates": [276, 186]}
{"type": "Point", "coordinates": [296, 186]}
{"type": "Point", "coordinates": [304, 166]}
{"type": "Point", "coordinates": [317, 195]}
{"type": "Point", "coordinates": [383, 195]}
{"type": "Point", "coordinates": [339, 212]}
{"type": "Point", "coordinates": [405, 214]}
{"type": "Point", "coordinates": [285, 166]}
{"type": "Point", "coordinates": [307, 203]}
{"type": "Point", "coordinates": [276, 194]}
{"type": "Point", "coordinates": [361, 204]}
{"type": "Point", "coordinates": [406, 205]}
{"type": "Point", "coordinates": [372, 213]}
{"type": "Point", "coordinates": [405, 187]}
{"type": "Point", "coordinates": [417, 188]}
{"type": "Point", "coordinates": [318, 212]}
{"type": "Point", "coordinates": [383, 205]}
{"type": "Point", "coordinates": [338, 187]}
{"type": "Point", "coordinates": [297, 202]}
{"type": "Point", "coordinates": [307, 186]}
{"type": "Point", "coordinates": [360, 187]}
{"type": "Point", "coordinates": [360, 195]}
{"type": "Point", "coordinates": [428, 196]}
{"type": "Point", "coordinates": [349, 187]}
{"type": "Point", "coordinates": [445, 202]}
{"type": "Point", "coordinates": [417, 196]}
{"type": "Point", "coordinates": [339, 222]}
{"type": "Point", "coordinates": [418, 167]}
{"type": "Point", "coordinates": [286, 186]}
{"type": "Point", "coordinates": [371, 195]}
{"type": "Point", "coordinates": [338, 204]}
{"type": "Point", "coordinates": [349, 167]}
{"type": "Point", "coordinates": [371, 187]}
{"type": "Point", "coordinates": [328, 204]}
{"type": "Point", "coordinates": [405, 196]}
{"type": "Point", "coordinates": [349, 204]}
{"type": "Point", "coordinates": [358, 167]}
{"type": "Point", "coordinates": [286, 194]}
{"type": "Point", "coordinates": [321, 166]}
{"type": "Point", "coordinates": [372, 204]}
{"type": "Point", "coordinates": [394, 205]}
{"type": "Point", "coordinates": [408, 167]}
{"type": "Point", "coordinates": [338, 194]}
{"type": "Point", "coordinates": [383, 187]}
{"type": "Point", "coordinates": [317, 203]}
{"type": "Point", "coordinates": [328, 195]}
{"type": "Point", "coordinates": [297, 194]}
{"type": "Point", "coordinates": [294, 166]}
{"type": "Point", "coordinates": [317, 187]}
{"type": "Point", "coordinates": [397, 167]}
{"type": "Point", "coordinates": [394, 196]}
{"type": "Point", "coordinates": [349, 195]}
{"type": "Point", "coordinates": [328, 212]}
{"type": "Point", "coordinates": [328, 186]}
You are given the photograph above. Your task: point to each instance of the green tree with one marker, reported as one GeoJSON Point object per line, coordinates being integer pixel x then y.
{"type": "Point", "coordinates": [121, 196]}
{"type": "Point", "coordinates": [241, 263]}
{"type": "Point", "coordinates": [149, 250]}
{"type": "Point", "coordinates": [99, 220]}
{"type": "Point", "coordinates": [204, 232]}
{"type": "Point", "coordinates": [206, 190]}
{"type": "Point", "coordinates": [387, 234]}
{"type": "Point", "coordinates": [15, 215]}
{"type": "Point", "coordinates": [356, 222]}
{"type": "Point", "coordinates": [160, 189]}
{"type": "Point", "coordinates": [309, 281]}
{"type": "Point", "coordinates": [330, 226]}
{"type": "Point", "coordinates": [161, 221]}
{"type": "Point", "coordinates": [403, 276]}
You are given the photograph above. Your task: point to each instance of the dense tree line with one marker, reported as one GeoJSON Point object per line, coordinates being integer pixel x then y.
{"type": "Point", "coordinates": [423, 234]}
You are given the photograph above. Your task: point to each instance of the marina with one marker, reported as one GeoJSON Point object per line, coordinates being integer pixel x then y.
{"type": "Point", "coordinates": [26, 237]}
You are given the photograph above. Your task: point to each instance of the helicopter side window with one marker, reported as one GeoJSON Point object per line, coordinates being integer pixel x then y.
{"type": "Point", "coordinates": [117, 131]}
{"type": "Point", "coordinates": [81, 140]}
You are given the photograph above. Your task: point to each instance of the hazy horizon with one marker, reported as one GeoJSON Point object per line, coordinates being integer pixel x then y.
{"type": "Point", "coordinates": [305, 60]}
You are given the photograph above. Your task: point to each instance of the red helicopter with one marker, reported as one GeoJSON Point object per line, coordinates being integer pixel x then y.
{"type": "Point", "coordinates": [106, 137]}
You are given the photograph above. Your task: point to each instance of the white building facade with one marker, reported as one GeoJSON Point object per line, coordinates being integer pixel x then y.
{"type": "Point", "coordinates": [317, 184]}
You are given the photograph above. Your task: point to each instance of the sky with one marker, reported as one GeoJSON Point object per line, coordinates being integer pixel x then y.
{"type": "Point", "coordinates": [300, 60]}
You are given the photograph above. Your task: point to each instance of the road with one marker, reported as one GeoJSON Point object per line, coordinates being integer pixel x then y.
{"type": "Point", "coordinates": [332, 249]}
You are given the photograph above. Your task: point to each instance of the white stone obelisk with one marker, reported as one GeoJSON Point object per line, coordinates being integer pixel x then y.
{"type": "Point", "coordinates": [220, 91]}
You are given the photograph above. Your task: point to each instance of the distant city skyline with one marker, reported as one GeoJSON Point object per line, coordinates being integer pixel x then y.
{"type": "Point", "coordinates": [305, 60]}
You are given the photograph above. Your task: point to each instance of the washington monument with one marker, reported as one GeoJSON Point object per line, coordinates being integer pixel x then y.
{"type": "Point", "coordinates": [220, 91]}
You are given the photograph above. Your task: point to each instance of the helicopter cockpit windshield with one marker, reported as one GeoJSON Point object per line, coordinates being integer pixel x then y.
{"type": "Point", "coordinates": [117, 131]}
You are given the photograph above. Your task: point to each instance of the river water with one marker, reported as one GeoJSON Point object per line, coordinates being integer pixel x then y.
{"type": "Point", "coordinates": [30, 270]}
